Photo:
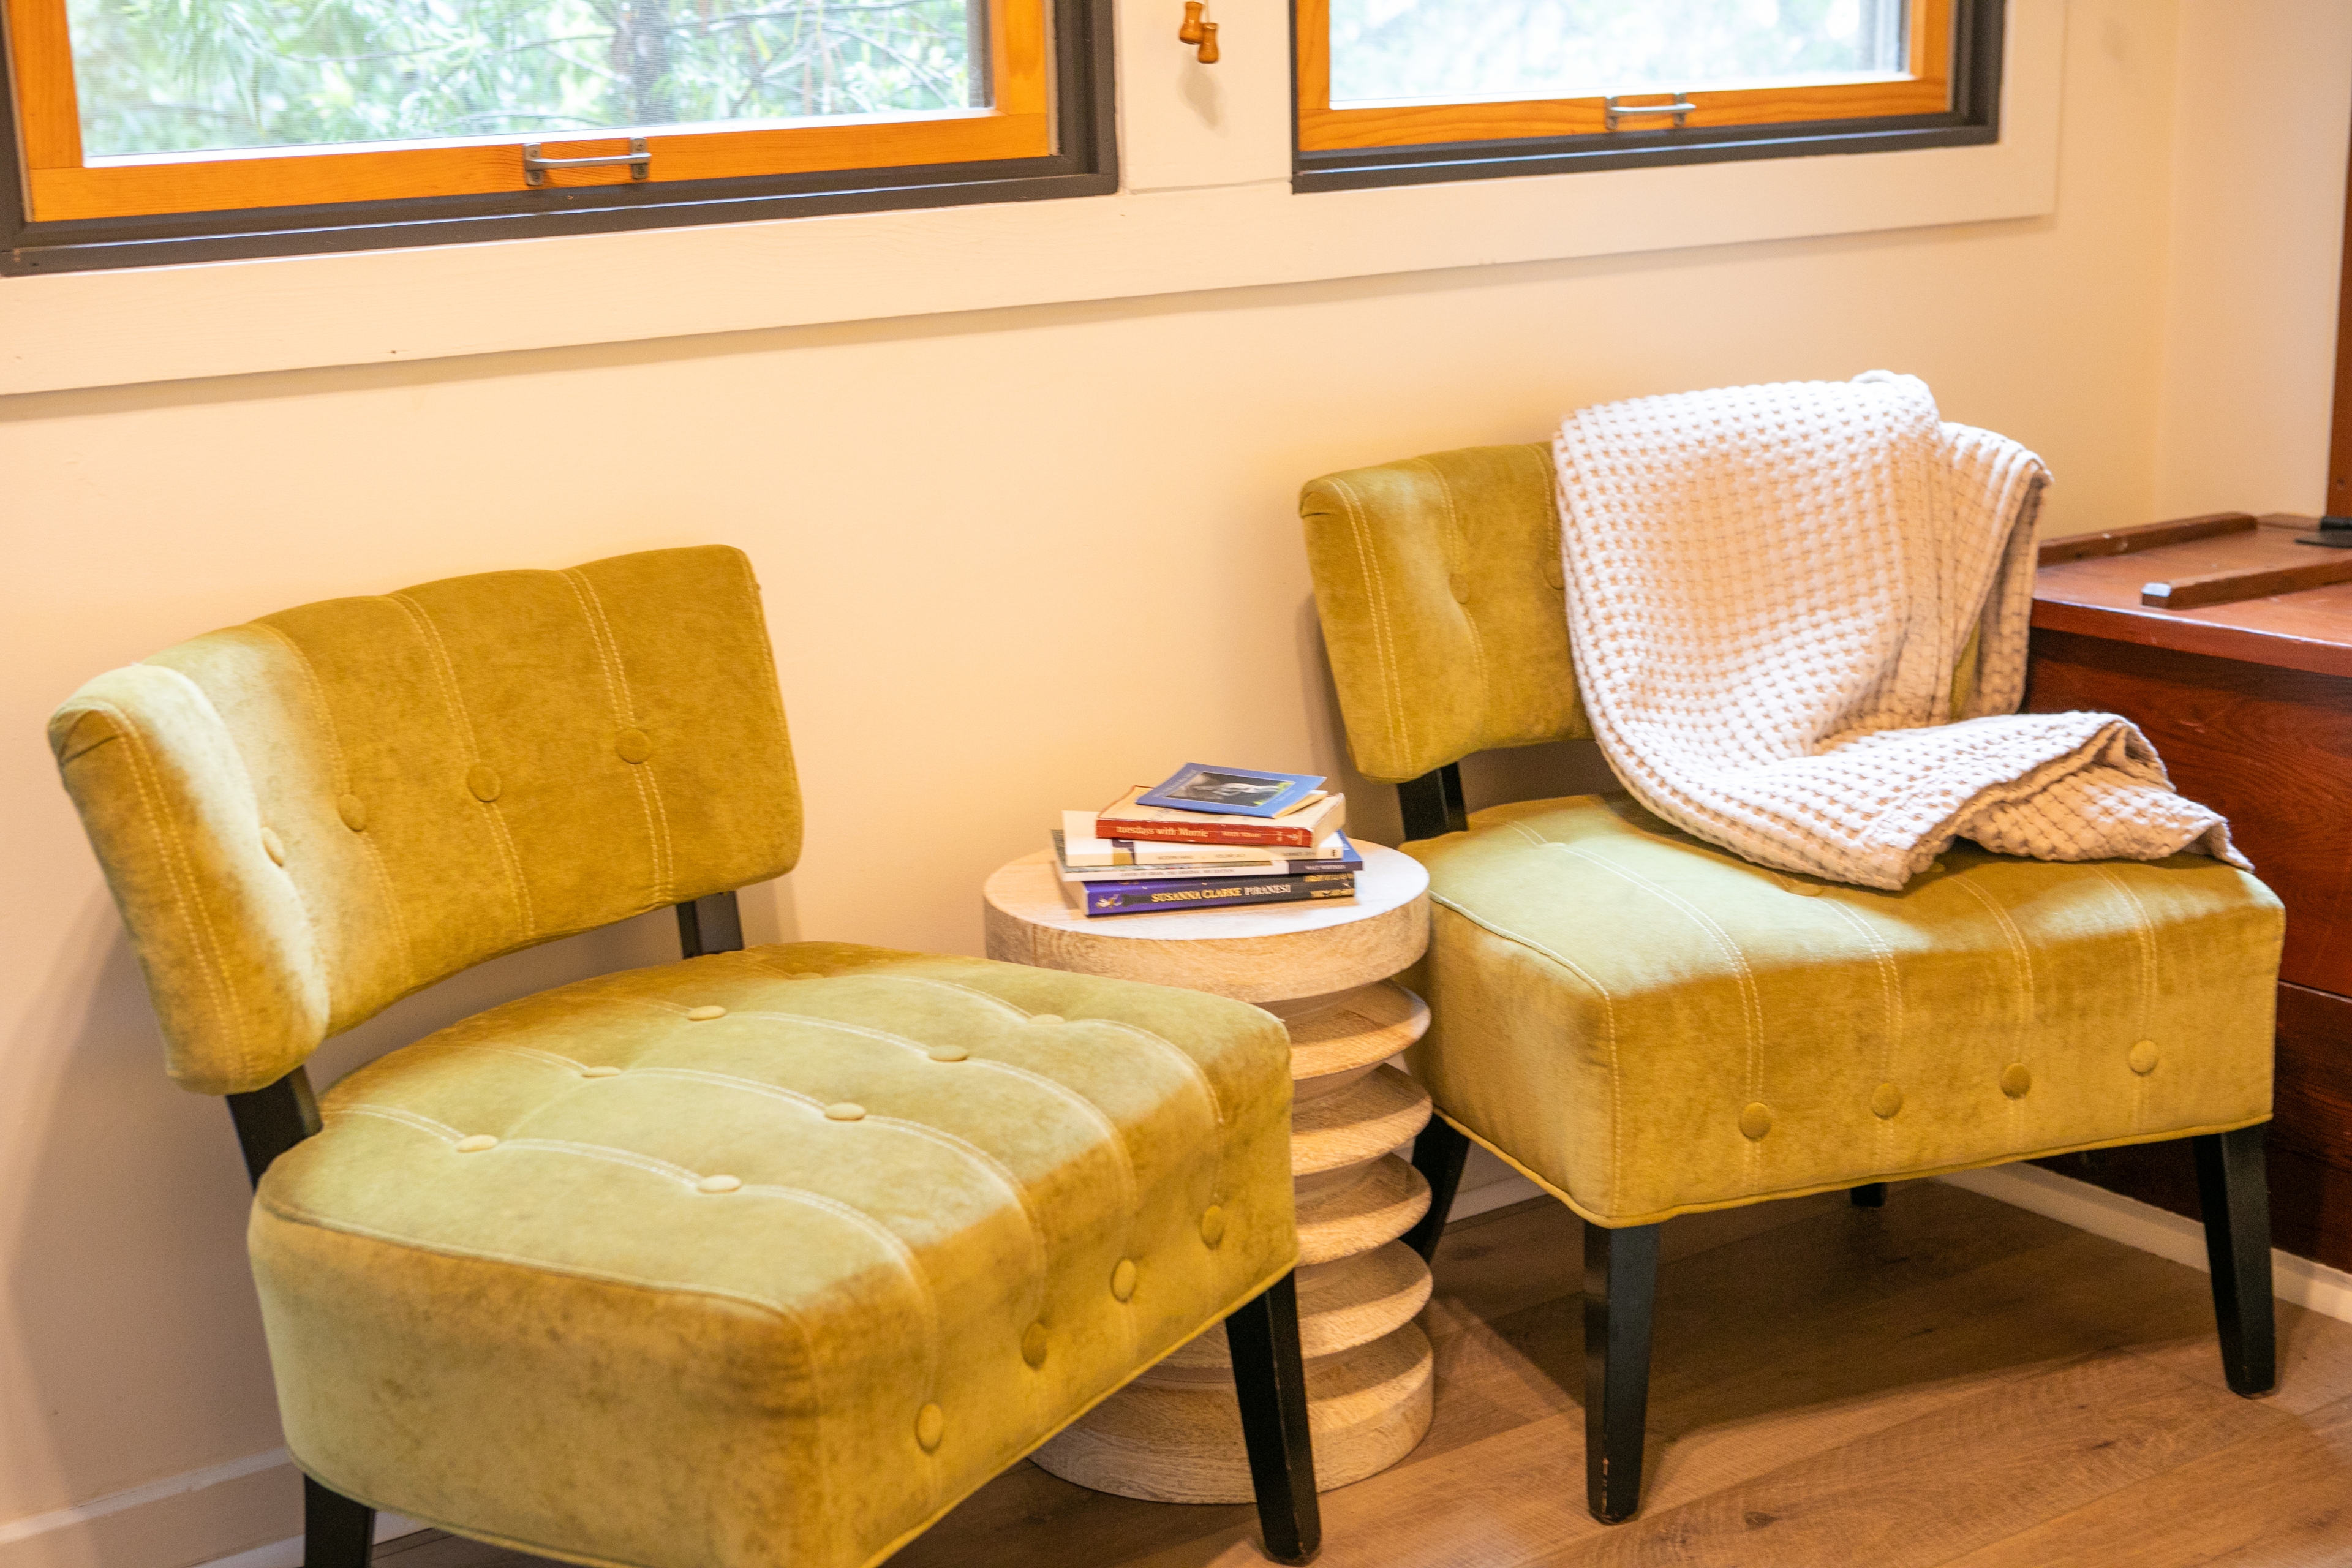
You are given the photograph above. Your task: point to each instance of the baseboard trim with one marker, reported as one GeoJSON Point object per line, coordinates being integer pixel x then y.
{"type": "Point", "coordinates": [2299, 1280]}
{"type": "Point", "coordinates": [288, 1553]}
{"type": "Point", "coordinates": [170, 1522]}
{"type": "Point", "coordinates": [1486, 1196]}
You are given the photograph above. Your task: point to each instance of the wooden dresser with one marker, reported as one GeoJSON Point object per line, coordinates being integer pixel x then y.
{"type": "Point", "coordinates": [2249, 703]}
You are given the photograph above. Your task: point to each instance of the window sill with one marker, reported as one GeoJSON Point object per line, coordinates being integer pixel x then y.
{"type": "Point", "coordinates": [100, 328]}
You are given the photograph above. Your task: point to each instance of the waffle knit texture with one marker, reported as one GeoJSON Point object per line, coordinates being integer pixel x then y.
{"type": "Point", "coordinates": [1799, 613]}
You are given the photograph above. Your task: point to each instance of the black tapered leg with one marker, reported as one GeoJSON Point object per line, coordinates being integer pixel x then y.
{"type": "Point", "coordinates": [1270, 1377]}
{"type": "Point", "coordinates": [2234, 1188]}
{"type": "Point", "coordinates": [1437, 1154]}
{"type": "Point", "coordinates": [1869, 1196]}
{"type": "Point", "coordinates": [336, 1531]}
{"type": "Point", "coordinates": [1620, 1285]}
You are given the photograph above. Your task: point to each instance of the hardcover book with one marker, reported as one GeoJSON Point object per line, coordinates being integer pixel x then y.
{"type": "Point", "coordinates": [1081, 845]}
{"type": "Point", "coordinates": [1335, 853]}
{"type": "Point", "coordinates": [1203, 892]}
{"type": "Point", "coordinates": [1130, 819]}
{"type": "Point", "coordinates": [1233, 791]}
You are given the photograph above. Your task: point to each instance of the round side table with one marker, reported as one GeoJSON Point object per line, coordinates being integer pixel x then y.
{"type": "Point", "coordinates": [1174, 1435]}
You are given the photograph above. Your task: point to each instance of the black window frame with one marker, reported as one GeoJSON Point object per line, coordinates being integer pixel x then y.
{"type": "Point", "coordinates": [1974, 120]}
{"type": "Point", "coordinates": [1085, 164]}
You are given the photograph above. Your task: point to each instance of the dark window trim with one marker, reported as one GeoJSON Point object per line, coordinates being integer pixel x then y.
{"type": "Point", "coordinates": [1085, 165]}
{"type": "Point", "coordinates": [1973, 120]}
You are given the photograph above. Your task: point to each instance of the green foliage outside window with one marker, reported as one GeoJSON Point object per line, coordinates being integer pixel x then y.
{"type": "Point", "coordinates": [156, 76]}
{"type": "Point", "coordinates": [1453, 50]}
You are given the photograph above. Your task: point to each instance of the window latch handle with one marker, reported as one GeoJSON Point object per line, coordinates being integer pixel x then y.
{"type": "Point", "coordinates": [534, 167]}
{"type": "Point", "coordinates": [1611, 112]}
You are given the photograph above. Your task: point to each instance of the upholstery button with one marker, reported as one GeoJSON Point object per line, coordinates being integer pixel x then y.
{"type": "Point", "coordinates": [1032, 1345]}
{"type": "Point", "coordinates": [2016, 1079]}
{"type": "Point", "coordinates": [273, 847]}
{"type": "Point", "coordinates": [930, 1425]}
{"type": "Point", "coordinates": [845, 1110]}
{"type": "Point", "coordinates": [1461, 587]}
{"type": "Point", "coordinates": [1755, 1122]}
{"type": "Point", "coordinates": [1805, 889]}
{"type": "Point", "coordinates": [1212, 1224]}
{"type": "Point", "coordinates": [483, 780]}
{"type": "Point", "coordinates": [353, 810]}
{"type": "Point", "coordinates": [1937, 868]}
{"type": "Point", "coordinates": [2143, 1058]}
{"type": "Point", "coordinates": [720, 1184]}
{"type": "Point", "coordinates": [947, 1053]}
{"type": "Point", "coordinates": [633, 745]}
{"type": "Point", "coordinates": [1045, 1018]}
{"type": "Point", "coordinates": [476, 1143]}
{"type": "Point", "coordinates": [600, 1072]}
{"type": "Point", "coordinates": [704, 1015]}
{"type": "Point", "coordinates": [1885, 1100]}
{"type": "Point", "coordinates": [1122, 1278]}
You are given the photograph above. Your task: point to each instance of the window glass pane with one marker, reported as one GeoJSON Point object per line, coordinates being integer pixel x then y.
{"type": "Point", "coordinates": [160, 75]}
{"type": "Point", "coordinates": [1452, 50]}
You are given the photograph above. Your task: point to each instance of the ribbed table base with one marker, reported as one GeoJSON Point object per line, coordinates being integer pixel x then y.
{"type": "Point", "coordinates": [1174, 1435]}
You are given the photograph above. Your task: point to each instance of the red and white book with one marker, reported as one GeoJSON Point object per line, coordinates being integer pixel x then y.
{"type": "Point", "coordinates": [1308, 824]}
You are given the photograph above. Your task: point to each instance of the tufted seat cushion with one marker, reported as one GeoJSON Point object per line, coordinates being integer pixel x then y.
{"type": "Point", "coordinates": [766, 1258]}
{"type": "Point", "coordinates": [1652, 1026]}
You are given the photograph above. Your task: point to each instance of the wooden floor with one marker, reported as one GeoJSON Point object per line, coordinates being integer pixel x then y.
{"type": "Point", "coordinates": [1947, 1380]}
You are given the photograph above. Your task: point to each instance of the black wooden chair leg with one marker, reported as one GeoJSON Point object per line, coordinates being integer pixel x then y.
{"type": "Point", "coordinates": [2234, 1188]}
{"type": "Point", "coordinates": [336, 1531]}
{"type": "Point", "coordinates": [1270, 1377]}
{"type": "Point", "coordinates": [1869, 1196]}
{"type": "Point", "coordinates": [1620, 1285]}
{"type": "Point", "coordinates": [1437, 1154]}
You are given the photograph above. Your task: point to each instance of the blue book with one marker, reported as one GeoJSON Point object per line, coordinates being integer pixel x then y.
{"type": "Point", "coordinates": [1231, 792]}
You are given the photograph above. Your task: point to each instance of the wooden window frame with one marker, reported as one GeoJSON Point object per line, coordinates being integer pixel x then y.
{"type": "Point", "coordinates": [1048, 134]}
{"type": "Point", "coordinates": [1950, 97]}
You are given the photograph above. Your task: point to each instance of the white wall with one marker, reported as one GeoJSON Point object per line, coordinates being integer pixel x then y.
{"type": "Point", "coordinates": [2248, 323]}
{"type": "Point", "coordinates": [1014, 560]}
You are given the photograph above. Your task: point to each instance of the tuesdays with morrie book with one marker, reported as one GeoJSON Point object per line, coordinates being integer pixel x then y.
{"type": "Point", "coordinates": [1301, 828]}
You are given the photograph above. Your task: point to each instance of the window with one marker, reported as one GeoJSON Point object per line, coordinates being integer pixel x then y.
{"type": "Point", "coordinates": [175, 130]}
{"type": "Point", "coordinates": [1398, 90]}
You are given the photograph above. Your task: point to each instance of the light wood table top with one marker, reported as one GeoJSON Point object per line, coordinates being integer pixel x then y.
{"type": "Point", "coordinates": [1254, 954]}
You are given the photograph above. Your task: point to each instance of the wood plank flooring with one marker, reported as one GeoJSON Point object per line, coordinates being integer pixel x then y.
{"type": "Point", "coordinates": [1944, 1381]}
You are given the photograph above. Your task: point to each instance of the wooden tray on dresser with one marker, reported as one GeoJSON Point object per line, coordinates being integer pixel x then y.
{"type": "Point", "coordinates": [2250, 702]}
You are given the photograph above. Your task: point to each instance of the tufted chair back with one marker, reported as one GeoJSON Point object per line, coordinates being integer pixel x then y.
{"type": "Point", "coordinates": [1445, 610]}
{"type": "Point", "coordinates": [308, 816]}
{"type": "Point", "coordinates": [1439, 583]}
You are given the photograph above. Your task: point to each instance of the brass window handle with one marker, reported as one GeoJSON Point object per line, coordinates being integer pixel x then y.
{"type": "Point", "coordinates": [534, 167]}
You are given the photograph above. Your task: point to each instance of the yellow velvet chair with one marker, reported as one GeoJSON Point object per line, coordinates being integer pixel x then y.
{"type": "Point", "coordinates": [768, 1256]}
{"type": "Point", "coordinates": [1647, 1025]}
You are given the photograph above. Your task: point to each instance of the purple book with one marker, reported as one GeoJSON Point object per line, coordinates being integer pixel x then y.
{"type": "Point", "coordinates": [1205, 892]}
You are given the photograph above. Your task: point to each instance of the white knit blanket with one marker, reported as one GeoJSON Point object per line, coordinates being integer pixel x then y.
{"type": "Point", "coordinates": [1769, 590]}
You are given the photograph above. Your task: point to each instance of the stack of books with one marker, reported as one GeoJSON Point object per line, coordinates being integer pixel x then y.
{"type": "Point", "coordinates": [1206, 838]}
